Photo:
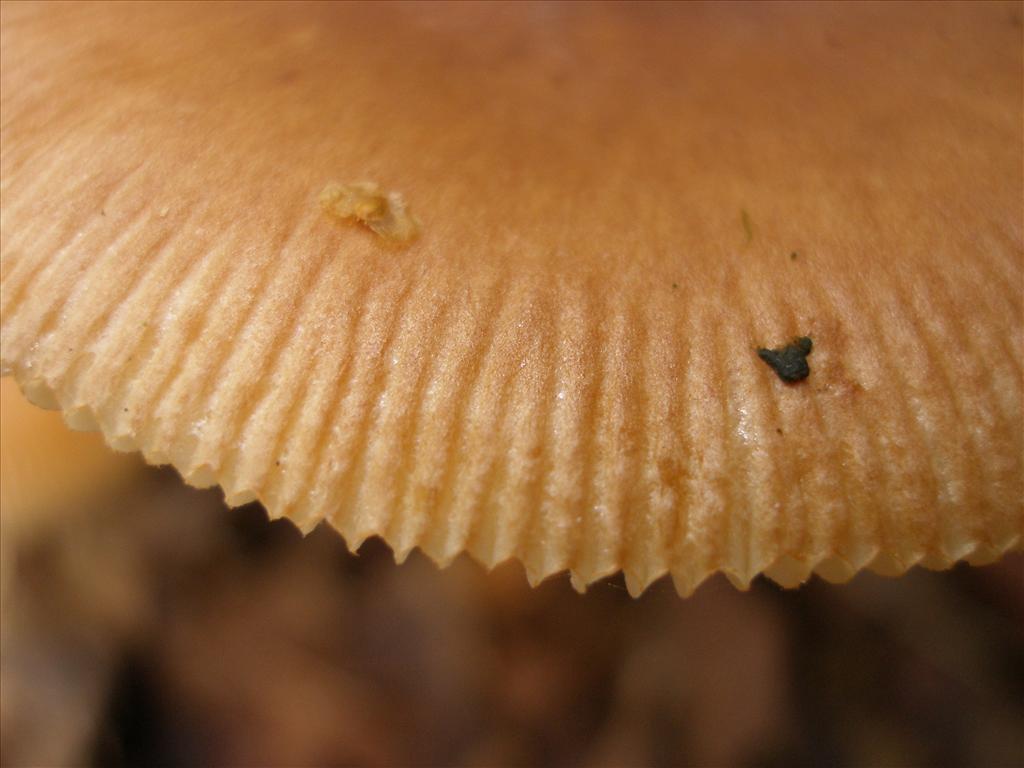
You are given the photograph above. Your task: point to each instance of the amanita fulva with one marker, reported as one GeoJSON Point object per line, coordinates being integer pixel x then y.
{"type": "Point", "coordinates": [618, 206]}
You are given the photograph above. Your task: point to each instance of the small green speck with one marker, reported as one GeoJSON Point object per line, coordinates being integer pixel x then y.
{"type": "Point", "coordinates": [748, 227]}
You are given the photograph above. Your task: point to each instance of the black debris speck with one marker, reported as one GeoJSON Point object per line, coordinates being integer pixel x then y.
{"type": "Point", "coordinates": [790, 361]}
{"type": "Point", "coordinates": [793, 255]}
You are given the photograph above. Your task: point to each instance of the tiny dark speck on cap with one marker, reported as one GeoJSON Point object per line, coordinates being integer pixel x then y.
{"type": "Point", "coordinates": [790, 361]}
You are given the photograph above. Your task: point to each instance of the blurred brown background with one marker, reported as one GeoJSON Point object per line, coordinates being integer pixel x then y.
{"type": "Point", "coordinates": [143, 624]}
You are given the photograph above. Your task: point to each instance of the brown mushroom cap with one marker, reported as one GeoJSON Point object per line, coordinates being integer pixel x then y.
{"type": "Point", "coordinates": [563, 366]}
{"type": "Point", "coordinates": [50, 478]}
{"type": "Point", "coordinates": [47, 472]}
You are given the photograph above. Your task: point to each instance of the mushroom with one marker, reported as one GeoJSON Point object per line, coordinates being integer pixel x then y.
{"type": "Point", "coordinates": [562, 367]}
{"type": "Point", "coordinates": [48, 478]}
{"type": "Point", "coordinates": [47, 471]}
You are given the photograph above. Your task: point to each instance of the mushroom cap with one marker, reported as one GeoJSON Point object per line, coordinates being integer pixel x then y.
{"type": "Point", "coordinates": [50, 478]}
{"type": "Point", "coordinates": [618, 205]}
{"type": "Point", "coordinates": [49, 475]}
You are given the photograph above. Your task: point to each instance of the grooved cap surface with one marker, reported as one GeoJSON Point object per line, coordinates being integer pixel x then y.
{"type": "Point", "coordinates": [563, 366]}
